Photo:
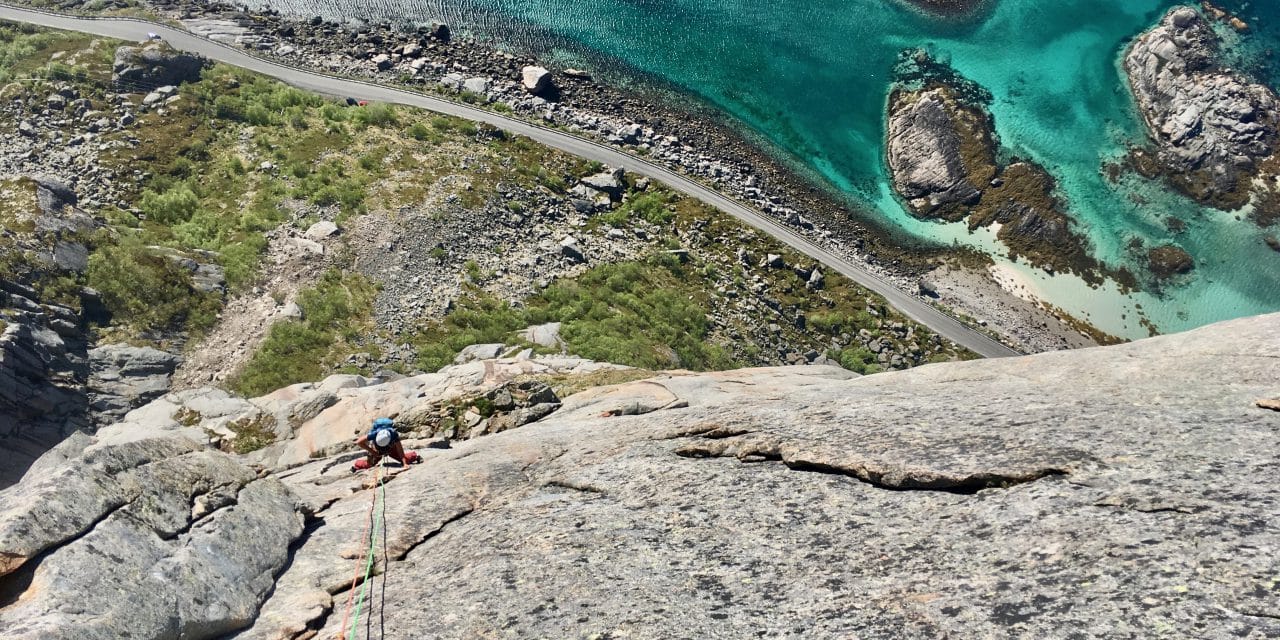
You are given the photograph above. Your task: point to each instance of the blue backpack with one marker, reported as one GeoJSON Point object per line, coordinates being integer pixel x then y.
{"type": "Point", "coordinates": [382, 424]}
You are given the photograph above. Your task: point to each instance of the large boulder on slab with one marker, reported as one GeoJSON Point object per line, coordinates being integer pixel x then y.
{"type": "Point", "coordinates": [537, 80]}
{"type": "Point", "coordinates": [138, 69]}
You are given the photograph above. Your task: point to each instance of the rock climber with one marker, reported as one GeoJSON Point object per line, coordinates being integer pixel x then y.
{"type": "Point", "coordinates": [382, 440]}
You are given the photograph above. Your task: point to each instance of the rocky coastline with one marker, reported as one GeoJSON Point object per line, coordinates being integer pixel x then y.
{"type": "Point", "coordinates": [689, 138]}
{"type": "Point", "coordinates": [1216, 132]}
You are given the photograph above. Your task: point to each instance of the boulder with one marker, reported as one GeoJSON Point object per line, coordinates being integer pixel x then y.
{"type": "Point", "coordinates": [140, 68]}
{"type": "Point", "coordinates": [322, 230]}
{"type": "Point", "coordinates": [53, 196]}
{"type": "Point", "coordinates": [452, 81]}
{"type": "Point", "coordinates": [478, 85]}
{"type": "Point", "coordinates": [1167, 261]}
{"type": "Point", "coordinates": [610, 182]}
{"type": "Point", "coordinates": [292, 311]}
{"type": "Point", "coordinates": [545, 335]}
{"type": "Point", "coordinates": [439, 31]}
{"type": "Point", "coordinates": [537, 81]}
{"type": "Point", "coordinates": [570, 250]}
{"type": "Point", "coordinates": [71, 256]}
{"type": "Point", "coordinates": [479, 352]}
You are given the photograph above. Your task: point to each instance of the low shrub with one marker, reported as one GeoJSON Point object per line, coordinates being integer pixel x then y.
{"type": "Point", "coordinates": [148, 291]}
{"type": "Point", "coordinates": [302, 350]}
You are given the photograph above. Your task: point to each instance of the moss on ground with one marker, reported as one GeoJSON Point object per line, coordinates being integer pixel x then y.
{"type": "Point", "coordinates": [565, 385]}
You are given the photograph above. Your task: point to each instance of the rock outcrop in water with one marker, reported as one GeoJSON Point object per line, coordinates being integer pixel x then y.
{"type": "Point", "coordinates": [926, 155]}
{"type": "Point", "coordinates": [1098, 493]}
{"type": "Point", "coordinates": [941, 152]}
{"type": "Point", "coordinates": [1216, 131]}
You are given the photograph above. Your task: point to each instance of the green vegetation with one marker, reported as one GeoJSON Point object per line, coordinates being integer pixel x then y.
{"type": "Point", "coordinates": [857, 359]}
{"type": "Point", "coordinates": [251, 434]}
{"type": "Point", "coordinates": [654, 313]}
{"type": "Point", "coordinates": [335, 311]}
{"type": "Point", "coordinates": [147, 290]}
{"type": "Point", "coordinates": [565, 385]}
{"type": "Point", "coordinates": [240, 155]}
{"type": "Point", "coordinates": [643, 314]}
{"type": "Point", "coordinates": [652, 207]}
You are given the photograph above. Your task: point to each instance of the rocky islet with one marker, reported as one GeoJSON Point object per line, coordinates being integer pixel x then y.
{"type": "Point", "coordinates": [1215, 130]}
{"type": "Point", "coordinates": [942, 155]}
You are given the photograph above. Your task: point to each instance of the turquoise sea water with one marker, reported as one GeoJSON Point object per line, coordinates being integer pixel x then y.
{"type": "Point", "coordinates": [810, 79]}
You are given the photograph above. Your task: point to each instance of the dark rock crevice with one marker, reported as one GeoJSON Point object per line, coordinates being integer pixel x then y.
{"type": "Point", "coordinates": [561, 483]}
{"type": "Point", "coordinates": [877, 475]}
{"type": "Point", "coordinates": [310, 525]}
{"type": "Point", "coordinates": [434, 532]}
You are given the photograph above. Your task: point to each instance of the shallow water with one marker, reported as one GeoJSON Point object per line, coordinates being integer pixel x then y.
{"type": "Point", "coordinates": [811, 78]}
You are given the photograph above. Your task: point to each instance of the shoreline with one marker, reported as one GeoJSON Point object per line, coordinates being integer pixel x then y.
{"type": "Point", "coordinates": [638, 119]}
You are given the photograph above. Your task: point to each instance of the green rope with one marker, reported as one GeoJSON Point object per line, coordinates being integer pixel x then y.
{"type": "Point", "coordinates": [373, 535]}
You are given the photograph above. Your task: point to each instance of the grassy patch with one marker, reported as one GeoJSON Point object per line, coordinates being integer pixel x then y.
{"type": "Point", "coordinates": [652, 207]}
{"type": "Point", "coordinates": [251, 434]}
{"type": "Point", "coordinates": [565, 385]}
{"type": "Point", "coordinates": [335, 311]}
{"type": "Point", "coordinates": [645, 314]}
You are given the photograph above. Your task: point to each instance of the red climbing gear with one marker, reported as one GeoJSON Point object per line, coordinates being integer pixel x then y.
{"type": "Point", "coordinates": [361, 465]}
{"type": "Point", "coordinates": [412, 457]}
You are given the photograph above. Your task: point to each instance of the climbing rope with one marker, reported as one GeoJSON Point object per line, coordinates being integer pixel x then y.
{"type": "Point", "coordinates": [376, 518]}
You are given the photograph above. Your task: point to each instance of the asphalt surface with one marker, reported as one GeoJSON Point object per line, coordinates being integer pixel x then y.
{"type": "Point", "coordinates": [134, 30]}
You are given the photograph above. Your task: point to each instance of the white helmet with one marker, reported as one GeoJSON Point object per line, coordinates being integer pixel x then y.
{"type": "Point", "coordinates": [382, 438]}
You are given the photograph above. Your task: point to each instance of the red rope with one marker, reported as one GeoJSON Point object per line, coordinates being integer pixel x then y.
{"type": "Point", "coordinates": [355, 576]}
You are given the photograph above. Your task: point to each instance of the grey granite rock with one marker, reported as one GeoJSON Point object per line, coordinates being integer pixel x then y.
{"type": "Point", "coordinates": [545, 335]}
{"type": "Point", "coordinates": [153, 65]}
{"type": "Point", "coordinates": [537, 80]}
{"type": "Point", "coordinates": [124, 377]}
{"type": "Point", "coordinates": [1128, 491]}
{"type": "Point", "coordinates": [152, 537]}
{"type": "Point", "coordinates": [1118, 492]}
{"type": "Point", "coordinates": [1205, 118]}
{"type": "Point", "coordinates": [42, 372]}
{"type": "Point", "coordinates": [924, 154]}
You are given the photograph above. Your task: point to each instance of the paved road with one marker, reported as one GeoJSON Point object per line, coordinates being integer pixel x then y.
{"type": "Point", "coordinates": [132, 29]}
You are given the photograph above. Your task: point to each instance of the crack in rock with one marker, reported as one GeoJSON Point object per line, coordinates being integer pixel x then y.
{"type": "Point", "coordinates": [574, 486]}
{"type": "Point", "coordinates": [881, 476]}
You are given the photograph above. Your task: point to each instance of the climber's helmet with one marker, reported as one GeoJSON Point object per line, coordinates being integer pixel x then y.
{"type": "Point", "coordinates": [382, 438]}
